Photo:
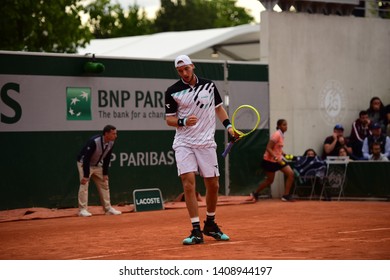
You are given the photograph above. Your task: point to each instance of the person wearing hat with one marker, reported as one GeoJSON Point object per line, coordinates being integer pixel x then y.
{"type": "Point", "coordinates": [191, 106]}
{"type": "Point", "coordinates": [334, 142]}
{"type": "Point", "coordinates": [378, 137]}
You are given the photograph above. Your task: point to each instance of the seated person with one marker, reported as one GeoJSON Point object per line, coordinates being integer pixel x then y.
{"type": "Point", "coordinates": [379, 137]}
{"type": "Point", "coordinates": [360, 130]}
{"type": "Point", "coordinates": [310, 153]}
{"type": "Point", "coordinates": [334, 142]}
{"type": "Point", "coordinates": [387, 120]}
{"type": "Point", "coordinates": [376, 153]}
{"type": "Point", "coordinates": [310, 165]}
{"type": "Point", "coordinates": [344, 153]}
{"type": "Point", "coordinates": [309, 168]}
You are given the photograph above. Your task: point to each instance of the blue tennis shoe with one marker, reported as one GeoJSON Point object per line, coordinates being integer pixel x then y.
{"type": "Point", "coordinates": [196, 237]}
{"type": "Point", "coordinates": [212, 229]}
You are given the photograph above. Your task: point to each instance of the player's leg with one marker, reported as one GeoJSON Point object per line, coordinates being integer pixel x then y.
{"type": "Point", "coordinates": [212, 187]}
{"type": "Point", "coordinates": [289, 174]}
{"type": "Point", "coordinates": [187, 168]}
{"type": "Point", "coordinates": [83, 194]}
{"type": "Point", "coordinates": [208, 169]}
{"type": "Point", "coordinates": [268, 180]}
{"type": "Point", "coordinates": [210, 226]}
{"type": "Point", "coordinates": [188, 182]}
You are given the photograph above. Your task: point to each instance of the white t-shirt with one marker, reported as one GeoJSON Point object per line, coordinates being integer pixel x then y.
{"type": "Point", "coordinates": [183, 100]}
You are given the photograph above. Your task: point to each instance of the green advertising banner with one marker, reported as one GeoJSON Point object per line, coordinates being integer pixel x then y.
{"type": "Point", "coordinates": [148, 200]}
{"type": "Point", "coordinates": [47, 114]}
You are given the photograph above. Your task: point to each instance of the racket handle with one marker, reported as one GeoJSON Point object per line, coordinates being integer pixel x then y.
{"type": "Point", "coordinates": [227, 150]}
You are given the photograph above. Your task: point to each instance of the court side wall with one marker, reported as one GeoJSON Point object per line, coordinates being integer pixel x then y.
{"type": "Point", "coordinates": [322, 70]}
{"type": "Point", "coordinates": [50, 106]}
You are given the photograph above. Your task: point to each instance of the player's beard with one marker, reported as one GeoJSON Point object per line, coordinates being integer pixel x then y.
{"type": "Point", "coordinates": [189, 79]}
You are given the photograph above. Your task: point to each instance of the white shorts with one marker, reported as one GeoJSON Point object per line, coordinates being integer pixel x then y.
{"type": "Point", "coordinates": [201, 160]}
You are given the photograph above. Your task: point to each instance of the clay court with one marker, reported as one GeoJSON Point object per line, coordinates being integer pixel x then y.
{"type": "Point", "coordinates": [269, 229]}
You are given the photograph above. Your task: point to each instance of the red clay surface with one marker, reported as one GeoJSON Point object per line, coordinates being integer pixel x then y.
{"type": "Point", "coordinates": [268, 229]}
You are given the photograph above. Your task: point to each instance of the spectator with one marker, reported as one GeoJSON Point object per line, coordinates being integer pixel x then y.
{"type": "Point", "coordinates": [387, 120]}
{"type": "Point", "coordinates": [376, 111]}
{"type": "Point", "coordinates": [379, 137]}
{"type": "Point", "coordinates": [310, 169]}
{"type": "Point", "coordinates": [309, 164]}
{"type": "Point", "coordinates": [334, 142]}
{"type": "Point", "coordinates": [344, 153]}
{"type": "Point", "coordinates": [360, 130]}
{"type": "Point", "coordinates": [310, 153]}
{"type": "Point", "coordinates": [376, 153]}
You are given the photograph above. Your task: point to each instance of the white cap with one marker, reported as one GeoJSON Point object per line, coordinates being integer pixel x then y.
{"type": "Point", "coordinates": [182, 60]}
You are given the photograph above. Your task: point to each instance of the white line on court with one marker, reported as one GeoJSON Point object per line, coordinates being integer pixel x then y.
{"type": "Point", "coordinates": [115, 253]}
{"type": "Point", "coordinates": [121, 252]}
{"type": "Point", "coordinates": [226, 243]}
{"type": "Point", "coordinates": [168, 249]}
{"type": "Point", "coordinates": [364, 240]}
{"type": "Point", "coordinates": [364, 230]}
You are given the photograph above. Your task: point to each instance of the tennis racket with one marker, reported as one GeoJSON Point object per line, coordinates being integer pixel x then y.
{"type": "Point", "coordinates": [245, 120]}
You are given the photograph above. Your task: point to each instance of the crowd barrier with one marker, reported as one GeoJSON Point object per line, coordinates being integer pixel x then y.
{"type": "Point", "coordinates": [368, 179]}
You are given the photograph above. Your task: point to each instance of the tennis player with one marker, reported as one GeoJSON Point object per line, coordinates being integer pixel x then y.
{"type": "Point", "coordinates": [191, 105]}
{"type": "Point", "coordinates": [273, 162]}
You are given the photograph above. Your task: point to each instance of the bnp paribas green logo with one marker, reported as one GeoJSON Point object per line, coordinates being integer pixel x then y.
{"type": "Point", "coordinates": [78, 102]}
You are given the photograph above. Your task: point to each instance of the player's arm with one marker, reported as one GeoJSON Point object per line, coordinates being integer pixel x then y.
{"type": "Point", "coordinates": [171, 120]}
{"type": "Point", "coordinates": [270, 148]}
{"type": "Point", "coordinates": [177, 122]}
{"type": "Point", "coordinates": [221, 113]}
{"type": "Point", "coordinates": [223, 116]}
{"type": "Point", "coordinates": [171, 117]}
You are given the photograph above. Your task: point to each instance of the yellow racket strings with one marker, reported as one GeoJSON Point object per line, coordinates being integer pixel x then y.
{"type": "Point", "coordinates": [242, 134]}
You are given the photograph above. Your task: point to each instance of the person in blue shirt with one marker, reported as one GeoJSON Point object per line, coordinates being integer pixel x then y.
{"type": "Point", "coordinates": [378, 137]}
